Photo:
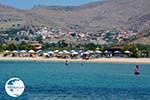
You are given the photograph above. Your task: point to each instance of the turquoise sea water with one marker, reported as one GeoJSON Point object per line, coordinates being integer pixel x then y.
{"type": "Point", "coordinates": [77, 81]}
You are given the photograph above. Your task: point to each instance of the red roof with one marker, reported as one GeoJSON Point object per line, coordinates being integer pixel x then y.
{"type": "Point", "coordinates": [117, 47]}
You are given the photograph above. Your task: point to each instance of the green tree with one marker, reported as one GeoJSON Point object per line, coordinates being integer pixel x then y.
{"type": "Point", "coordinates": [62, 44]}
{"type": "Point", "coordinates": [40, 39]}
{"type": "Point", "coordinates": [143, 47]}
{"type": "Point", "coordinates": [23, 46]}
{"type": "Point", "coordinates": [90, 46]}
{"type": "Point", "coordinates": [11, 47]}
{"type": "Point", "coordinates": [46, 46]}
{"type": "Point", "coordinates": [133, 48]}
{"type": "Point", "coordinates": [1, 47]}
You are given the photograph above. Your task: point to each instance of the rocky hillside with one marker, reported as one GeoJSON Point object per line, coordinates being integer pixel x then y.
{"type": "Point", "coordinates": [143, 38]}
{"type": "Point", "coordinates": [92, 17]}
{"type": "Point", "coordinates": [89, 17]}
{"type": "Point", "coordinates": [97, 15]}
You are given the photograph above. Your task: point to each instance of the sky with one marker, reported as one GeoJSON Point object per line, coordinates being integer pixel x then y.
{"type": "Point", "coordinates": [27, 4]}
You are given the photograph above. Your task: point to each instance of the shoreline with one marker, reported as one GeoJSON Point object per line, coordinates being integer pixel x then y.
{"type": "Point", "coordinates": [99, 60]}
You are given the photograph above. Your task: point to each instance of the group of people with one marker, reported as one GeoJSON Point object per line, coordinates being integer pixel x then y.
{"type": "Point", "coordinates": [136, 69]}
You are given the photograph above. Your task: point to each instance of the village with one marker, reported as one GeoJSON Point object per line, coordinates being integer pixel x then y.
{"type": "Point", "coordinates": [42, 34]}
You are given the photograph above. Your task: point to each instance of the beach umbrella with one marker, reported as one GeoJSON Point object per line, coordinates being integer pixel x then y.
{"type": "Point", "coordinates": [72, 51]}
{"type": "Point", "coordinates": [86, 52]}
{"type": "Point", "coordinates": [97, 51]}
{"type": "Point", "coordinates": [39, 51]}
{"type": "Point", "coordinates": [90, 51]}
{"type": "Point", "coordinates": [128, 52]}
{"type": "Point", "coordinates": [45, 54]}
{"type": "Point", "coordinates": [6, 51]}
{"type": "Point", "coordinates": [60, 52]}
{"type": "Point", "coordinates": [80, 51]}
{"type": "Point", "coordinates": [31, 51]}
{"type": "Point", "coordinates": [75, 53]}
{"type": "Point", "coordinates": [106, 51]}
{"type": "Point", "coordinates": [23, 51]}
{"type": "Point", "coordinates": [66, 52]}
{"type": "Point", "coordinates": [117, 52]}
{"type": "Point", "coordinates": [50, 52]}
{"type": "Point", "coordinates": [56, 51]}
{"type": "Point", "coordinates": [14, 51]}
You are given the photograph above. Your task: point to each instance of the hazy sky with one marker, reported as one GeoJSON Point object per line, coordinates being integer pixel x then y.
{"type": "Point", "coordinates": [26, 4]}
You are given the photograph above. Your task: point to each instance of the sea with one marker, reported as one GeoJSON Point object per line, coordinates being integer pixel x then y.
{"type": "Point", "coordinates": [76, 81]}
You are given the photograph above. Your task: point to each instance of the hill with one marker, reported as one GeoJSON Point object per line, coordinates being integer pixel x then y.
{"type": "Point", "coordinates": [91, 17]}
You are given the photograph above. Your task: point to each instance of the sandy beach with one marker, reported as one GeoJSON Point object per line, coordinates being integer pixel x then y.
{"type": "Point", "coordinates": [99, 60]}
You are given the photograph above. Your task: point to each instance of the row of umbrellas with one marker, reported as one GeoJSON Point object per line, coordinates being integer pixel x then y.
{"type": "Point", "coordinates": [74, 52]}
{"type": "Point", "coordinates": [21, 51]}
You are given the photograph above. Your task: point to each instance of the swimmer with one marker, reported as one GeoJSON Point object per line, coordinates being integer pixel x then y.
{"type": "Point", "coordinates": [136, 70]}
{"type": "Point", "coordinates": [67, 63]}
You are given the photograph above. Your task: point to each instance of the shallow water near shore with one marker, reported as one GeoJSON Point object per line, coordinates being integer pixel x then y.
{"type": "Point", "coordinates": [77, 81]}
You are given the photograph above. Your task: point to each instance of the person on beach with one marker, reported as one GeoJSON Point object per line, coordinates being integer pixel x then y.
{"type": "Point", "coordinates": [136, 70]}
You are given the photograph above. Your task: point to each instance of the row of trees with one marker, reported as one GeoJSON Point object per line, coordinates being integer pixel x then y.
{"type": "Point", "coordinates": [61, 45]}
{"type": "Point", "coordinates": [12, 46]}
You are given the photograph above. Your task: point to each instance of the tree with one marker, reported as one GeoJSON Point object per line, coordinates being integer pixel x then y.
{"type": "Point", "coordinates": [90, 46]}
{"type": "Point", "coordinates": [1, 47]}
{"type": "Point", "coordinates": [62, 44]}
{"type": "Point", "coordinates": [11, 47]}
{"type": "Point", "coordinates": [23, 46]}
{"type": "Point", "coordinates": [40, 39]}
{"type": "Point", "coordinates": [45, 46]}
{"type": "Point", "coordinates": [143, 47]}
{"type": "Point", "coordinates": [133, 48]}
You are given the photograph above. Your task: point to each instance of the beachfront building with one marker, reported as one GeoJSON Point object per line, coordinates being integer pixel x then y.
{"type": "Point", "coordinates": [115, 51]}
{"type": "Point", "coordinates": [145, 54]}
{"type": "Point", "coordinates": [37, 45]}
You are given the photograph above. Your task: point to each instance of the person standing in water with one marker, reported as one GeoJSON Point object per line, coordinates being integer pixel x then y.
{"type": "Point", "coordinates": [67, 63]}
{"type": "Point", "coordinates": [136, 70]}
